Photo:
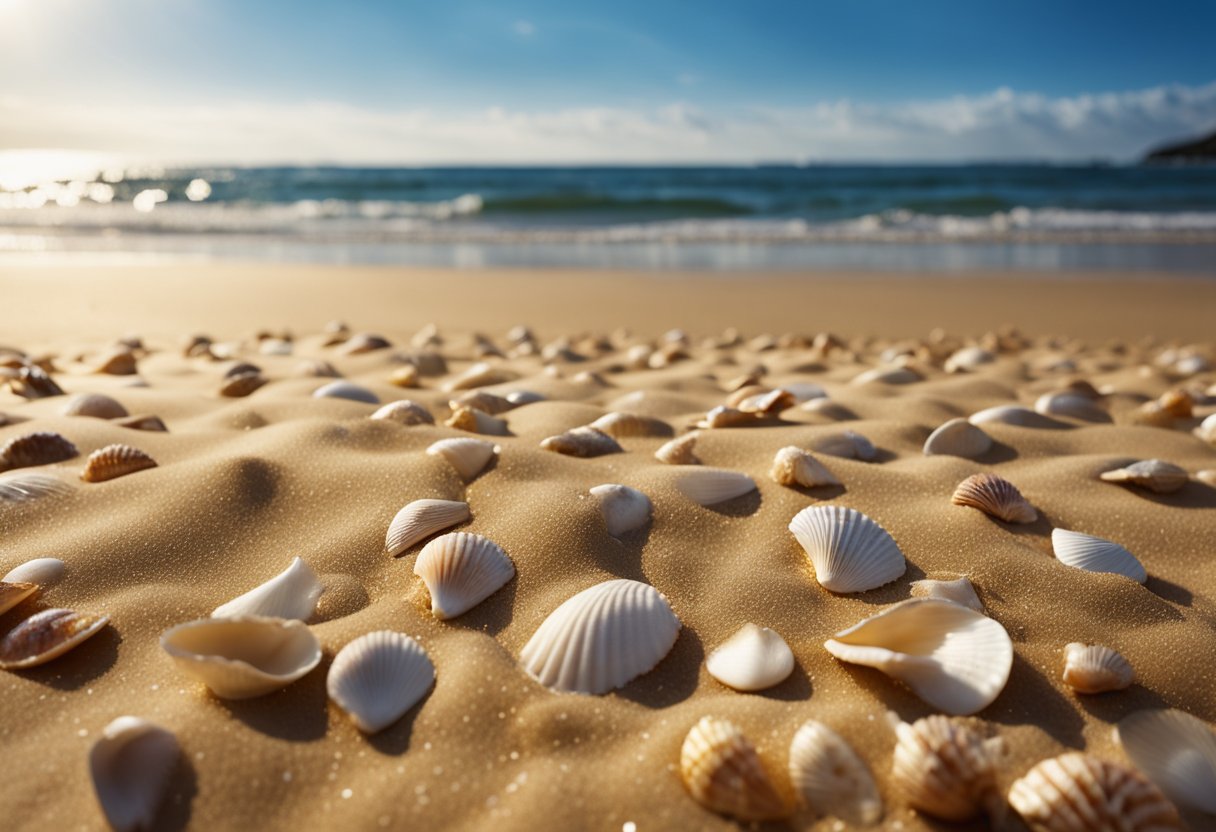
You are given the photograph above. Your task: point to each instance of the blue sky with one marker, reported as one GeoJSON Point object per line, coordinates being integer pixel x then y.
{"type": "Point", "coordinates": [409, 81]}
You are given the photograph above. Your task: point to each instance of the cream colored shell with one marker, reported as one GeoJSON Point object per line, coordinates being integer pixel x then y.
{"type": "Point", "coordinates": [1176, 751]}
{"type": "Point", "coordinates": [829, 777]}
{"type": "Point", "coordinates": [794, 466]}
{"type": "Point", "coordinates": [850, 552]}
{"type": "Point", "coordinates": [1093, 668]}
{"type": "Point", "coordinates": [995, 496]}
{"type": "Point", "coordinates": [460, 571]}
{"type": "Point", "coordinates": [754, 658]}
{"type": "Point", "coordinates": [946, 769]}
{"type": "Point", "coordinates": [1094, 554]}
{"type": "Point", "coordinates": [1078, 792]}
{"type": "Point", "coordinates": [47, 635]}
{"type": "Point", "coordinates": [468, 456]}
{"type": "Point", "coordinates": [244, 657]}
{"type": "Point", "coordinates": [723, 772]}
{"type": "Point", "coordinates": [293, 593]}
{"type": "Point", "coordinates": [421, 519]}
{"type": "Point", "coordinates": [958, 437]}
{"type": "Point", "coordinates": [379, 676]}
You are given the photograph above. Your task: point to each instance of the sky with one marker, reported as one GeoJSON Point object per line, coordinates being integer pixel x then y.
{"type": "Point", "coordinates": [631, 81]}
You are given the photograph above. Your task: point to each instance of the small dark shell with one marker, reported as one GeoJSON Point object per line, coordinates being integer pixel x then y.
{"type": "Point", "coordinates": [365, 342]}
{"type": "Point", "coordinates": [119, 362]}
{"type": "Point", "coordinates": [148, 422]}
{"type": "Point", "coordinates": [115, 461]}
{"type": "Point", "coordinates": [242, 385]}
{"type": "Point", "coordinates": [41, 448]}
{"type": "Point", "coordinates": [32, 382]}
{"type": "Point", "coordinates": [240, 369]}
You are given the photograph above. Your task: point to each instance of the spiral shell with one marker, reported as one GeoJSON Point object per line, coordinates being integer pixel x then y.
{"type": "Point", "coordinates": [946, 769]}
{"type": "Point", "coordinates": [1092, 668]}
{"type": "Point", "coordinates": [1082, 793]}
{"type": "Point", "coordinates": [995, 496]}
{"type": "Point", "coordinates": [115, 461]}
{"type": "Point", "coordinates": [41, 448]}
{"type": "Point", "coordinates": [723, 772]}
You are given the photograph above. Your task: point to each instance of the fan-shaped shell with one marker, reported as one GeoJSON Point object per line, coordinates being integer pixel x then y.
{"type": "Point", "coordinates": [1014, 414]}
{"type": "Point", "coordinates": [44, 572]}
{"type": "Point", "coordinates": [1071, 404]}
{"type": "Point", "coordinates": [710, 486]}
{"type": "Point", "coordinates": [952, 657]}
{"type": "Point", "coordinates": [723, 772]}
{"type": "Point", "coordinates": [467, 456]}
{"type": "Point", "coordinates": [47, 635]}
{"type": "Point", "coordinates": [115, 461]}
{"type": "Point", "coordinates": [1176, 751]}
{"type": "Point", "coordinates": [404, 412]}
{"type": "Point", "coordinates": [461, 570]}
{"type": "Point", "coordinates": [475, 421]}
{"type": "Point", "coordinates": [679, 451]}
{"type": "Point", "coordinates": [421, 519]}
{"type": "Point", "coordinates": [584, 442]}
{"type": "Point", "coordinates": [378, 677]}
{"type": "Point", "coordinates": [346, 390]}
{"type": "Point", "coordinates": [243, 657]}
{"type": "Point", "coordinates": [995, 496]}
{"type": "Point", "coordinates": [1092, 668]}
{"type": "Point", "coordinates": [13, 593]}
{"type": "Point", "coordinates": [293, 593]}
{"type": "Point", "coordinates": [619, 425]}
{"type": "Point", "coordinates": [131, 766]}
{"type": "Point", "coordinates": [959, 590]}
{"type": "Point", "coordinates": [754, 658]}
{"type": "Point", "coordinates": [624, 508]}
{"type": "Point", "coordinates": [39, 448]}
{"type": "Point", "coordinates": [958, 437]}
{"type": "Point", "coordinates": [602, 638]}
{"type": "Point", "coordinates": [946, 769]}
{"type": "Point", "coordinates": [848, 444]}
{"type": "Point", "coordinates": [33, 382]}
{"type": "Point", "coordinates": [850, 552]}
{"type": "Point", "coordinates": [96, 405]}
{"type": "Point", "coordinates": [830, 778]}
{"type": "Point", "coordinates": [29, 485]}
{"type": "Point", "coordinates": [1095, 554]}
{"type": "Point", "coordinates": [1154, 474]}
{"type": "Point", "coordinates": [241, 385]}
{"type": "Point", "coordinates": [794, 466]}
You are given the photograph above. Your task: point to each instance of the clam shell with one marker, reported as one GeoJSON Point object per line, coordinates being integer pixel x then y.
{"type": "Point", "coordinates": [404, 412]}
{"type": "Point", "coordinates": [142, 422]}
{"type": "Point", "coordinates": [1154, 474]}
{"type": "Point", "coordinates": [584, 442]}
{"type": "Point", "coordinates": [1071, 404]}
{"type": "Point", "coordinates": [710, 486]}
{"type": "Point", "coordinates": [619, 425]}
{"type": "Point", "coordinates": [602, 638]}
{"type": "Point", "coordinates": [44, 572]}
{"type": "Point", "coordinates": [346, 390]}
{"type": "Point", "coordinates": [946, 769]}
{"type": "Point", "coordinates": [1092, 668]}
{"type": "Point", "coordinates": [468, 456]}
{"type": "Point", "coordinates": [952, 657]}
{"type": "Point", "coordinates": [723, 772]}
{"type": "Point", "coordinates": [1095, 554]}
{"type": "Point", "coordinates": [378, 677]}
{"type": "Point", "coordinates": [850, 552]}
{"type": "Point", "coordinates": [29, 485]}
{"type": "Point", "coordinates": [243, 657]}
{"type": "Point", "coordinates": [364, 342]}
{"type": "Point", "coordinates": [474, 421]}
{"type": "Point", "coordinates": [995, 496]}
{"type": "Point", "coordinates": [421, 519]}
{"type": "Point", "coordinates": [958, 437]}
{"type": "Point", "coordinates": [794, 466]}
{"type": "Point", "coordinates": [830, 778]}
{"type": "Point", "coordinates": [13, 593]}
{"type": "Point", "coordinates": [848, 444]}
{"type": "Point", "coordinates": [47, 635]}
{"type": "Point", "coordinates": [960, 591]}
{"type": "Point", "coordinates": [239, 386]}
{"type": "Point", "coordinates": [625, 509]}
{"type": "Point", "coordinates": [115, 461]}
{"type": "Point", "coordinates": [96, 405]}
{"type": "Point", "coordinates": [461, 570]}
{"type": "Point", "coordinates": [1013, 414]}
{"type": "Point", "coordinates": [293, 593]}
{"type": "Point", "coordinates": [679, 451]}
{"type": "Point", "coordinates": [484, 401]}
{"type": "Point", "coordinates": [754, 658]}
{"type": "Point", "coordinates": [132, 766]}
{"type": "Point", "coordinates": [40, 448]}
{"type": "Point", "coordinates": [1207, 430]}
{"type": "Point", "coordinates": [1176, 751]}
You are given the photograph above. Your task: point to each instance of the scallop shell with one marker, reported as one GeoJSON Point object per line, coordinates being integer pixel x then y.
{"type": "Point", "coordinates": [723, 772]}
{"type": "Point", "coordinates": [346, 390]}
{"type": "Point", "coordinates": [1092, 668]}
{"type": "Point", "coordinates": [946, 769]}
{"type": "Point", "coordinates": [378, 677]}
{"type": "Point", "coordinates": [754, 658]}
{"type": "Point", "coordinates": [625, 509]}
{"type": "Point", "coordinates": [850, 552]}
{"type": "Point", "coordinates": [1071, 404]}
{"type": "Point", "coordinates": [461, 570]}
{"type": "Point", "coordinates": [954, 658]}
{"type": "Point", "coordinates": [1078, 792]}
{"type": "Point", "coordinates": [132, 766]}
{"type": "Point", "coordinates": [244, 657]}
{"type": "Point", "coordinates": [848, 444]}
{"type": "Point", "coordinates": [44, 572]}
{"type": "Point", "coordinates": [584, 442]}
{"type": "Point", "coordinates": [794, 466]}
{"type": "Point", "coordinates": [40, 448]}
{"type": "Point", "coordinates": [13, 593]}
{"type": "Point", "coordinates": [364, 342]}
{"type": "Point", "coordinates": [1176, 751]}
{"type": "Point", "coordinates": [293, 593]}
{"type": "Point", "coordinates": [29, 485]}
{"type": "Point", "coordinates": [619, 425]}
{"type": "Point", "coordinates": [1013, 414]}
{"type": "Point", "coordinates": [1154, 474]}
{"type": "Point", "coordinates": [142, 422]}
{"type": "Point", "coordinates": [1095, 554]}
{"type": "Point", "coordinates": [47, 635]}
{"type": "Point", "coordinates": [602, 638]}
{"type": "Point", "coordinates": [995, 496]}
{"type": "Point", "coordinates": [960, 591]}
{"type": "Point", "coordinates": [484, 401]}
{"type": "Point", "coordinates": [679, 451]}
{"type": "Point", "coordinates": [241, 385]}
{"type": "Point", "coordinates": [404, 412]}
{"type": "Point", "coordinates": [710, 486]}
{"type": "Point", "coordinates": [468, 456]}
{"type": "Point", "coordinates": [115, 461]}
{"type": "Point", "coordinates": [958, 437]}
{"type": "Point", "coordinates": [96, 405]}
{"type": "Point", "coordinates": [830, 778]}
{"type": "Point", "coordinates": [421, 519]}
{"type": "Point", "coordinates": [474, 421]}
{"type": "Point", "coordinates": [480, 374]}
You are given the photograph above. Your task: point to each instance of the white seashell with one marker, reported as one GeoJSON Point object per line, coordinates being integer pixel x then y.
{"type": "Point", "coordinates": [968, 358]}
{"type": "Point", "coordinates": [602, 638]}
{"type": "Point", "coordinates": [794, 466]}
{"type": "Point", "coordinates": [727, 417]}
{"type": "Point", "coordinates": [1154, 474]}
{"type": "Point", "coordinates": [1207, 476]}
{"type": "Point", "coordinates": [804, 391]}
{"type": "Point", "coordinates": [378, 677]}
{"type": "Point", "coordinates": [888, 375]}
{"type": "Point", "coordinates": [461, 570]}
{"type": "Point", "coordinates": [519, 398]}
{"type": "Point", "coordinates": [946, 769]}
{"type": "Point", "coordinates": [1092, 668]}
{"type": "Point", "coordinates": [475, 421]}
{"type": "Point", "coordinates": [723, 772]}
{"type": "Point", "coordinates": [44, 572]}
{"type": "Point", "coordinates": [710, 486]}
{"type": "Point", "coordinates": [404, 412]}
{"type": "Point", "coordinates": [582, 442]}
{"type": "Point", "coordinates": [755, 658]}
{"type": "Point", "coordinates": [1207, 430]}
{"type": "Point", "coordinates": [131, 766]}
{"type": "Point", "coordinates": [1176, 751]}
{"type": "Point", "coordinates": [679, 451]}
{"type": "Point", "coordinates": [954, 658]}
{"type": "Point", "coordinates": [1013, 414]}
{"type": "Point", "coordinates": [960, 591]}
{"type": "Point", "coordinates": [293, 593]}
{"type": "Point", "coordinates": [96, 405]}
{"type": "Point", "coordinates": [482, 400]}
{"type": "Point", "coordinates": [767, 403]}
{"type": "Point", "coordinates": [624, 508]}
{"type": "Point", "coordinates": [346, 390]}
{"type": "Point", "coordinates": [849, 444]}
{"type": "Point", "coordinates": [240, 658]}
{"type": "Point", "coordinates": [468, 456]}
{"type": "Point", "coordinates": [1094, 554]}
{"type": "Point", "coordinates": [421, 519]}
{"type": "Point", "coordinates": [958, 437]}
{"type": "Point", "coordinates": [275, 346]}
{"type": "Point", "coordinates": [21, 486]}
{"type": "Point", "coordinates": [47, 635]}
{"type": "Point", "coordinates": [850, 552]}
{"type": "Point", "coordinates": [619, 425]}
{"type": "Point", "coordinates": [830, 778]}
{"type": "Point", "coordinates": [1071, 404]}
{"type": "Point", "coordinates": [13, 593]}
{"type": "Point", "coordinates": [995, 496]}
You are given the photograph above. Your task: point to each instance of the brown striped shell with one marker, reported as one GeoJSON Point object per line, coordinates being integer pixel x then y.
{"type": "Point", "coordinates": [47, 635]}
{"type": "Point", "coordinates": [114, 461]}
{"type": "Point", "coordinates": [32, 382]}
{"type": "Point", "coordinates": [1078, 792]}
{"type": "Point", "coordinates": [723, 772]}
{"type": "Point", "coordinates": [996, 496]}
{"type": "Point", "coordinates": [945, 769]}
{"type": "Point", "coordinates": [40, 448]}
{"type": "Point", "coordinates": [242, 385]}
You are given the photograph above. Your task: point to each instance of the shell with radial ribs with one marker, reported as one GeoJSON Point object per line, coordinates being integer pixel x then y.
{"type": "Point", "coordinates": [460, 571]}
{"type": "Point", "coordinates": [243, 657]}
{"type": "Point", "coordinates": [850, 552]}
{"type": "Point", "coordinates": [468, 456]}
{"type": "Point", "coordinates": [794, 466]}
{"type": "Point", "coordinates": [1092, 668]}
{"type": "Point", "coordinates": [754, 658]}
{"type": "Point", "coordinates": [619, 425]}
{"type": "Point", "coordinates": [47, 635]}
{"type": "Point", "coordinates": [1154, 474]}
{"type": "Point", "coordinates": [723, 772]}
{"type": "Point", "coordinates": [115, 461]}
{"type": "Point", "coordinates": [40, 448]}
{"type": "Point", "coordinates": [420, 519]}
{"type": "Point", "coordinates": [131, 766]}
{"type": "Point", "coordinates": [679, 451]}
{"type": "Point", "coordinates": [958, 437]}
{"type": "Point", "coordinates": [293, 593]}
{"type": "Point", "coordinates": [1095, 554]}
{"type": "Point", "coordinates": [583, 442]}
{"type": "Point", "coordinates": [946, 769]}
{"type": "Point", "coordinates": [710, 486]}
{"type": "Point", "coordinates": [404, 412]}
{"type": "Point", "coordinates": [959, 590]}
{"type": "Point", "coordinates": [96, 405]}
{"type": "Point", "coordinates": [624, 509]}
{"type": "Point", "coordinates": [830, 778]}
{"type": "Point", "coordinates": [995, 496]}
{"type": "Point", "coordinates": [378, 677]}
{"type": "Point", "coordinates": [1176, 751]}
{"type": "Point", "coordinates": [22, 486]}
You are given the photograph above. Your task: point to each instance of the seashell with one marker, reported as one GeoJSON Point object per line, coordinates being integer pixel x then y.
{"type": "Point", "coordinates": [638, 356]}
{"type": "Point", "coordinates": [946, 769]}
{"type": "Point", "coordinates": [195, 346]}
{"type": "Point", "coordinates": [723, 772]}
{"type": "Point", "coordinates": [625, 509]}
{"type": "Point", "coordinates": [118, 362]}
{"type": "Point", "coordinates": [275, 346]}
{"type": "Point", "coordinates": [1177, 403]}
{"type": "Point", "coordinates": [293, 593]}
{"type": "Point", "coordinates": [521, 334]}
{"type": "Point", "coordinates": [13, 593]}
{"type": "Point", "coordinates": [519, 398]}
{"type": "Point", "coordinates": [727, 417]}
{"type": "Point", "coordinates": [487, 403]}
{"type": "Point", "coordinates": [1154, 474]}
{"type": "Point", "coordinates": [1207, 476]}
{"type": "Point", "coordinates": [1078, 792]}
{"type": "Point", "coordinates": [958, 437]}
{"type": "Point", "coordinates": [404, 412]}
{"type": "Point", "coordinates": [33, 382]}
{"type": "Point", "coordinates": [1095, 554]}
{"type": "Point", "coordinates": [1207, 430]}
{"type": "Point", "coordinates": [475, 421]}
{"type": "Point", "coordinates": [346, 390]}
{"type": "Point", "coordinates": [1189, 365]}
{"type": "Point", "coordinates": [850, 552]}
{"type": "Point", "coordinates": [710, 486]}
{"type": "Point", "coordinates": [96, 405]}
{"type": "Point", "coordinates": [954, 658]}
{"type": "Point", "coordinates": [602, 638]}
{"type": "Point", "coordinates": [830, 778]}
{"type": "Point", "coordinates": [679, 451]}
{"type": "Point", "coordinates": [404, 376]}
{"type": "Point", "coordinates": [421, 519]}
{"type": "Point", "coordinates": [619, 425]}
{"type": "Point", "coordinates": [1071, 404]}
{"type": "Point", "coordinates": [770, 403]}
{"type": "Point", "coordinates": [243, 657]}
{"type": "Point", "coordinates": [153, 423]}
{"type": "Point", "coordinates": [582, 442]}
{"type": "Point", "coordinates": [315, 368]}
{"type": "Point", "coordinates": [848, 444]}
{"type": "Point", "coordinates": [239, 386]}
{"type": "Point", "coordinates": [754, 658]}
{"type": "Point", "coordinates": [47, 635]}
{"type": "Point", "coordinates": [460, 571]}
{"type": "Point", "coordinates": [428, 336]}
{"type": "Point", "coordinates": [365, 342]}
{"type": "Point", "coordinates": [967, 359]}
{"type": "Point", "coordinates": [794, 466]}
{"type": "Point", "coordinates": [828, 409]}
{"type": "Point", "coordinates": [132, 766]}
{"type": "Point", "coordinates": [1092, 668]}
{"type": "Point", "coordinates": [115, 461]}
{"type": "Point", "coordinates": [468, 456]}
{"type": "Point", "coordinates": [1013, 414]}
{"type": "Point", "coordinates": [960, 591]}
{"type": "Point", "coordinates": [44, 572]}
{"type": "Point", "coordinates": [40, 448]}
{"type": "Point", "coordinates": [1176, 751]}
{"type": "Point", "coordinates": [888, 375]}
{"type": "Point", "coordinates": [29, 485]}
{"type": "Point", "coordinates": [378, 677]}
{"type": "Point", "coordinates": [804, 391]}
{"type": "Point", "coordinates": [480, 374]}
{"type": "Point", "coordinates": [995, 496]}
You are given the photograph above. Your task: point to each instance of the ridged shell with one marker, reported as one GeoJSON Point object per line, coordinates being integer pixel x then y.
{"type": "Point", "coordinates": [995, 496]}
{"type": "Point", "coordinates": [1176, 751]}
{"type": "Point", "coordinates": [47, 635]}
{"type": "Point", "coordinates": [475, 421]}
{"type": "Point", "coordinates": [13, 593]}
{"type": "Point", "coordinates": [754, 658]}
{"type": "Point", "coordinates": [95, 405]}
{"type": "Point", "coordinates": [946, 769]}
{"type": "Point", "coordinates": [710, 486]}
{"type": "Point", "coordinates": [142, 422]}
{"type": "Point", "coordinates": [293, 593]}
{"type": "Point", "coordinates": [29, 485]}
{"type": "Point", "coordinates": [40, 448]}
{"type": "Point", "coordinates": [850, 552]}
{"type": "Point", "coordinates": [1013, 414]}
{"type": "Point", "coordinates": [960, 591]}
{"type": "Point", "coordinates": [1092, 668]}
{"type": "Point", "coordinates": [44, 572]}
{"type": "Point", "coordinates": [794, 466]}
{"type": "Point", "coordinates": [468, 456]}
{"type": "Point", "coordinates": [240, 658]}
{"type": "Point", "coordinates": [624, 509]}
{"type": "Point", "coordinates": [460, 571]}
{"type": "Point", "coordinates": [958, 437]}
{"type": "Point", "coordinates": [484, 401]}
{"type": "Point", "coordinates": [679, 451]}
{"type": "Point", "coordinates": [723, 772]}
{"type": "Point", "coordinates": [1154, 474]}
{"type": "Point", "coordinates": [602, 638]}
{"type": "Point", "coordinates": [848, 444]}
{"type": "Point", "coordinates": [131, 767]}
{"type": "Point", "coordinates": [619, 425]}
{"type": "Point", "coordinates": [115, 461]}
{"type": "Point", "coordinates": [364, 342]}
{"type": "Point", "coordinates": [952, 657]}
{"type": "Point", "coordinates": [378, 677]}
{"type": "Point", "coordinates": [404, 412]}
{"type": "Point", "coordinates": [1081, 793]}
{"type": "Point", "coordinates": [583, 442]}
{"type": "Point", "coordinates": [830, 778]}
{"type": "Point", "coordinates": [346, 390]}
{"type": "Point", "coordinates": [421, 519]}
{"type": "Point", "coordinates": [1095, 554]}
{"type": "Point", "coordinates": [1071, 404]}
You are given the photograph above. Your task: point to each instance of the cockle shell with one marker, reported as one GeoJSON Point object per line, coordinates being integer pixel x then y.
{"type": "Point", "coordinates": [1154, 474]}
{"type": "Point", "coordinates": [293, 593]}
{"type": "Point", "coordinates": [484, 401]}
{"type": "Point", "coordinates": [1095, 554]}
{"type": "Point", "coordinates": [404, 412]}
{"type": "Point", "coordinates": [479, 375]}
{"type": "Point", "coordinates": [1071, 404]}
{"type": "Point", "coordinates": [960, 591]}
{"type": "Point", "coordinates": [364, 342]}
{"type": "Point", "coordinates": [946, 769]}
{"type": "Point", "coordinates": [468, 456]}
{"type": "Point", "coordinates": [378, 677]}
{"type": "Point", "coordinates": [47, 635]}
{"type": "Point", "coordinates": [29, 485]}
{"type": "Point", "coordinates": [241, 385]}
{"type": "Point", "coordinates": [13, 593]}
{"type": "Point", "coordinates": [995, 496]}
{"type": "Point", "coordinates": [115, 461]}
{"type": "Point", "coordinates": [850, 552]}
{"type": "Point", "coordinates": [848, 444]}
{"type": "Point", "coordinates": [421, 519]}
{"type": "Point", "coordinates": [131, 766]}
{"type": "Point", "coordinates": [346, 390]}
{"type": "Point", "coordinates": [1081, 793]}
{"type": "Point", "coordinates": [1013, 414]}
{"type": "Point", "coordinates": [96, 405]}
{"type": "Point", "coordinates": [475, 421]}
{"type": "Point", "coordinates": [243, 657]}
{"type": "Point", "coordinates": [952, 657]}
{"type": "Point", "coordinates": [794, 466]}
{"type": "Point", "coordinates": [710, 486]}
{"type": "Point", "coordinates": [44, 572]}
{"type": "Point", "coordinates": [142, 422]}
{"type": "Point", "coordinates": [958, 437]}
{"type": "Point", "coordinates": [754, 658]}
{"type": "Point", "coordinates": [624, 508]}
{"type": "Point", "coordinates": [1092, 668]}
{"type": "Point", "coordinates": [1176, 751]}
{"type": "Point", "coordinates": [830, 778]}
{"type": "Point", "coordinates": [619, 425]}
{"type": "Point", "coordinates": [602, 638]}
{"type": "Point", "coordinates": [679, 451]}
{"type": "Point", "coordinates": [40, 448]}
{"type": "Point", "coordinates": [723, 772]}
{"type": "Point", "coordinates": [584, 442]}
{"type": "Point", "coordinates": [461, 570]}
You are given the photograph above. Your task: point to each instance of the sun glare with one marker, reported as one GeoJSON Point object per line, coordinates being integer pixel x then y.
{"type": "Point", "coordinates": [20, 169]}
